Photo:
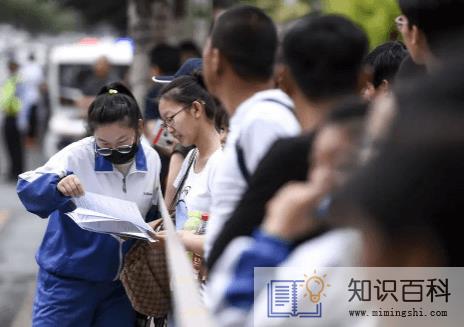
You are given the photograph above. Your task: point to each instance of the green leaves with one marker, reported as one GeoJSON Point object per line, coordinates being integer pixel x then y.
{"type": "Point", "coordinates": [374, 16]}
{"type": "Point", "coordinates": [37, 16]}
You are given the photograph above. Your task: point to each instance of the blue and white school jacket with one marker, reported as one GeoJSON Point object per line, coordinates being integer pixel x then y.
{"type": "Point", "coordinates": [66, 249]}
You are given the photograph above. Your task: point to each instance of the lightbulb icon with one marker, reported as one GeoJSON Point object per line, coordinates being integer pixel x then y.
{"type": "Point", "coordinates": [315, 286]}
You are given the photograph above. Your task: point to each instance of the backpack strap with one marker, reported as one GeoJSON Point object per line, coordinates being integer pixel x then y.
{"type": "Point", "coordinates": [283, 104]}
{"type": "Point", "coordinates": [241, 162]}
{"type": "Point", "coordinates": [239, 150]}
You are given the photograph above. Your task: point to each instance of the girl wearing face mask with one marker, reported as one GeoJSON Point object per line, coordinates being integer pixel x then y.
{"type": "Point", "coordinates": [78, 281]}
{"type": "Point", "coordinates": [188, 112]}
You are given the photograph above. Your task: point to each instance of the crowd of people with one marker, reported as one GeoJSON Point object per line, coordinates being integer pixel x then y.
{"type": "Point", "coordinates": [330, 155]}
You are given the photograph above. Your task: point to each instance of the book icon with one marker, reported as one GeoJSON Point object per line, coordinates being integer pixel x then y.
{"type": "Point", "coordinates": [287, 298]}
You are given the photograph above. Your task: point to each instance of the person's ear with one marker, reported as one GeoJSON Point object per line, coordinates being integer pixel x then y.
{"type": "Point", "coordinates": [420, 40]}
{"type": "Point", "coordinates": [384, 86]}
{"type": "Point", "coordinates": [198, 108]}
{"type": "Point", "coordinates": [368, 92]}
{"type": "Point", "coordinates": [217, 61]}
{"type": "Point", "coordinates": [285, 81]}
{"type": "Point", "coordinates": [415, 35]}
{"type": "Point", "coordinates": [140, 128]}
{"type": "Point", "coordinates": [420, 46]}
{"type": "Point", "coordinates": [364, 79]}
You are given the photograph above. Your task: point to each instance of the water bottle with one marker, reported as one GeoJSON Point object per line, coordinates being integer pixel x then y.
{"type": "Point", "coordinates": [201, 230]}
{"type": "Point", "coordinates": [197, 260]}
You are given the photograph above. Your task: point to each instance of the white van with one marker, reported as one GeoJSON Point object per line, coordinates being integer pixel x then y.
{"type": "Point", "coordinates": [68, 67]}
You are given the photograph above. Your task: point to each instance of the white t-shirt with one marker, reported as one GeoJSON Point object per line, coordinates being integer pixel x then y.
{"type": "Point", "coordinates": [256, 124]}
{"type": "Point", "coordinates": [196, 191]}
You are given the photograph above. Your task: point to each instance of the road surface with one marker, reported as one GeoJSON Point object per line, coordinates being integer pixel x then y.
{"type": "Point", "coordinates": [20, 235]}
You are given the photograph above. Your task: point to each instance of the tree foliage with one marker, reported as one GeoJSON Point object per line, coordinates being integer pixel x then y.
{"type": "Point", "coordinates": [92, 12]}
{"type": "Point", "coordinates": [282, 10]}
{"type": "Point", "coordinates": [376, 17]}
{"type": "Point", "coordinates": [37, 16]}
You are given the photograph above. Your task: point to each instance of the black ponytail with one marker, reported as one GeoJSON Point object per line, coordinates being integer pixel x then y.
{"type": "Point", "coordinates": [114, 103]}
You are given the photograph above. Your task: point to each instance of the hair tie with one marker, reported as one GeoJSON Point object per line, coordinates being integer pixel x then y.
{"type": "Point", "coordinates": [112, 91]}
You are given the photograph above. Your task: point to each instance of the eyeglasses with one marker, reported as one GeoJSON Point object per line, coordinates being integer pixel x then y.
{"type": "Point", "coordinates": [401, 21]}
{"type": "Point", "coordinates": [122, 149]}
{"type": "Point", "coordinates": [168, 122]}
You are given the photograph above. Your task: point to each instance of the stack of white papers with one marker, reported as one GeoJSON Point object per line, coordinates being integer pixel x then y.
{"type": "Point", "coordinates": [104, 214]}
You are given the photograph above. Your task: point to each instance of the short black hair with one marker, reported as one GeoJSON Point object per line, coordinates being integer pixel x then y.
{"type": "Point", "coordinates": [247, 38]}
{"type": "Point", "coordinates": [385, 60]}
{"type": "Point", "coordinates": [187, 89]}
{"type": "Point", "coordinates": [324, 54]}
{"type": "Point", "coordinates": [189, 46]}
{"type": "Point", "coordinates": [114, 103]}
{"type": "Point", "coordinates": [435, 18]}
{"type": "Point", "coordinates": [166, 57]}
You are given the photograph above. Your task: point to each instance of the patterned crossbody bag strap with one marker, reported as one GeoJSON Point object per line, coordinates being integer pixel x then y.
{"type": "Point", "coordinates": [184, 178]}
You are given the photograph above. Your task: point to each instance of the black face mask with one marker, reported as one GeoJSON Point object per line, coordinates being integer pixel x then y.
{"type": "Point", "coordinates": [119, 158]}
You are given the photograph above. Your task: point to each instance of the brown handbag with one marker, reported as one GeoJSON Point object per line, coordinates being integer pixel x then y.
{"type": "Point", "coordinates": [146, 279]}
{"type": "Point", "coordinates": [145, 274]}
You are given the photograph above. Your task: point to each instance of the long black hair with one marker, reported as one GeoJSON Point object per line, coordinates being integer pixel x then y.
{"type": "Point", "coordinates": [189, 88]}
{"type": "Point", "coordinates": [114, 103]}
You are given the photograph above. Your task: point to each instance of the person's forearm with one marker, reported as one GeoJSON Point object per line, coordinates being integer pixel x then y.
{"type": "Point", "coordinates": [194, 243]}
{"type": "Point", "coordinates": [40, 195]}
{"type": "Point", "coordinates": [174, 167]}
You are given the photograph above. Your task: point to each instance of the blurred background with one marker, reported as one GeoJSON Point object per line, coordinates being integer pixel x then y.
{"type": "Point", "coordinates": [56, 44]}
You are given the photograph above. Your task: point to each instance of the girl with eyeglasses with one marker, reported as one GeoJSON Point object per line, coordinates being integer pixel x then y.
{"type": "Point", "coordinates": [190, 114]}
{"type": "Point", "coordinates": [78, 282]}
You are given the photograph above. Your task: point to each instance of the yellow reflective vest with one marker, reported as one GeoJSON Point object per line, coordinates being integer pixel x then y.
{"type": "Point", "coordinates": [10, 104]}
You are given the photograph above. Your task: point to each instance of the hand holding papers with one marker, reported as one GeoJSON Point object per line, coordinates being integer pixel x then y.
{"type": "Point", "coordinates": [104, 214]}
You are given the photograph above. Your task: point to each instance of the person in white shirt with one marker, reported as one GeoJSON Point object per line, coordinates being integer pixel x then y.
{"type": "Point", "coordinates": [238, 65]}
{"type": "Point", "coordinates": [32, 77]}
{"type": "Point", "coordinates": [188, 112]}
